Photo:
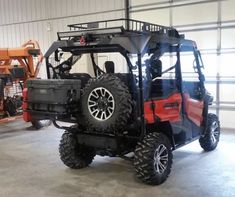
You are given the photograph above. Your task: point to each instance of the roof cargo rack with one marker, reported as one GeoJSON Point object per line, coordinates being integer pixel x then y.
{"type": "Point", "coordinates": [117, 26]}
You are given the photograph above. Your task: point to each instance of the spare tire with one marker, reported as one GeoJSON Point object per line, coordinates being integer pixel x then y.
{"type": "Point", "coordinates": [106, 104]}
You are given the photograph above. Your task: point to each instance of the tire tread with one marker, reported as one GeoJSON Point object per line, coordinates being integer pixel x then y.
{"type": "Point", "coordinates": [143, 159]}
{"type": "Point", "coordinates": [70, 154]}
{"type": "Point", "coordinates": [205, 141]}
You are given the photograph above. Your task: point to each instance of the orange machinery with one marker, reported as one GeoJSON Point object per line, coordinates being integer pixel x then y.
{"type": "Point", "coordinates": [16, 66]}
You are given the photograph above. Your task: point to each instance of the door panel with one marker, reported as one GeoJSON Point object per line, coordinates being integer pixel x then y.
{"type": "Point", "coordinates": [167, 109]}
{"type": "Point", "coordinates": [194, 109]}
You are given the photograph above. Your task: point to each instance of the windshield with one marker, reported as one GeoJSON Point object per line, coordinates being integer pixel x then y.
{"type": "Point", "coordinates": [162, 63]}
{"type": "Point", "coordinates": [189, 67]}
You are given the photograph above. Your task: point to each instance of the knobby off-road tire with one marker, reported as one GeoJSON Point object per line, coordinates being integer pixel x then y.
{"type": "Point", "coordinates": [106, 104]}
{"type": "Point", "coordinates": [153, 159]}
{"type": "Point", "coordinates": [74, 155]}
{"type": "Point", "coordinates": [212, 134]}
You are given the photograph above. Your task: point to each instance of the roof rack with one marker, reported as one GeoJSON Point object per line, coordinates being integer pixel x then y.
{"type": "Point", "coordinates": [117, 26]}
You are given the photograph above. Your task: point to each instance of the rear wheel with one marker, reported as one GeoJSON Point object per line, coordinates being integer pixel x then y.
{"type": "Point", "coordinates": [153, 159]}
{"type": "Point", "coordinates": [212, 133]}
{"type": "Point", "coordinates": [74, 155]}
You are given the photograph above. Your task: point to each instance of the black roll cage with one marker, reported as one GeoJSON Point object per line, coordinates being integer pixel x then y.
{"type": "Point", "coordinates": [131, 37]}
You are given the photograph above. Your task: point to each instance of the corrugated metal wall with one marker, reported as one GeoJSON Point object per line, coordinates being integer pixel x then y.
{"type": "Point", "coordinates": [22, 20]}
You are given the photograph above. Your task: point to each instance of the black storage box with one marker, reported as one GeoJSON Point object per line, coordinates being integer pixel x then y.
{"type": "Point", "coordinates": [52, 98]}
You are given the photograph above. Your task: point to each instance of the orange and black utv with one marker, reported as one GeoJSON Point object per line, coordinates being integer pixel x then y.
{"type": "Point", "coordinates": [151, 109]}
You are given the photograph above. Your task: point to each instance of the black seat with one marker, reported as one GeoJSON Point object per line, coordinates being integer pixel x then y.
{"type": "Point", "coordinates": [153, 70]}
{"type": "Point", "coordinates": [109, 67]}
{"type": "Point", "coordinates": [163, 88]}
{"type": "Point", "coordinates": [156, 68]}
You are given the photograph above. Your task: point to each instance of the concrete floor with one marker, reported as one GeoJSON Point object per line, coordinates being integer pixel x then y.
{"type": "Point", "coordinates": [30, 166]}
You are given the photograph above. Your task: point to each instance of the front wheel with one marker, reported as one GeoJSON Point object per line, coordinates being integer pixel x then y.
{"type": "Point", "coordinates": [153, 158]}
{"type": "Point", "coordinates": [212, 133]}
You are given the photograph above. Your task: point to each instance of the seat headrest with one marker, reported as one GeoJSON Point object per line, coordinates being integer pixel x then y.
{"type": "Point", "coordinates": [109, 66]}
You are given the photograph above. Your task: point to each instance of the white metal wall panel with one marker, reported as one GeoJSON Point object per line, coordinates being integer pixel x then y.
{"type": "Point", "coordinates": [195, 14]}
{"type": "Point", "coordinates": [17, 11]}
{"type": "Point", "coordinates": [228, 10]}
{"type": "Point", "coordinates": [204, 42]}
{"type": "Point", "coordinates": [211, 62]}
{"type": "Point", "coordinates": [227, 62]}
{"type": "Point", "coordinates": [228, 38]}
{"type": "Point", "coordinates": [161, 17]}
{"type": "Point", "coordinates": [227, 119]}
{"type": "Point", "coordinates": [142, 2]}
{"type": "Point", "coordinates": [15, 35]}
{"type": "Point", "coordinates": [227, 92]}
{"type": "Point", "coordinates": [41, 19]}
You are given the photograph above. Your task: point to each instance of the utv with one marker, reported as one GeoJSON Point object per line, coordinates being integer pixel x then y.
{"type": "Point", "coordinates": [151, 109]}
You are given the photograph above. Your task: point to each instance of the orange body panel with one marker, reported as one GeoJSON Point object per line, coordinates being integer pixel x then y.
{"type": "Point", "coordinates": [26, 115]}
{"type": "Point", "coordinates": [166, 109]}
{"type": "Point", "coordinates": [7, 54]}
{"type": "Point", "coordinates": [194, 109]}
{"type": "Point", "coordinates": [4, 54]}
{"type": "Point", "coordinates": [19, 52]}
